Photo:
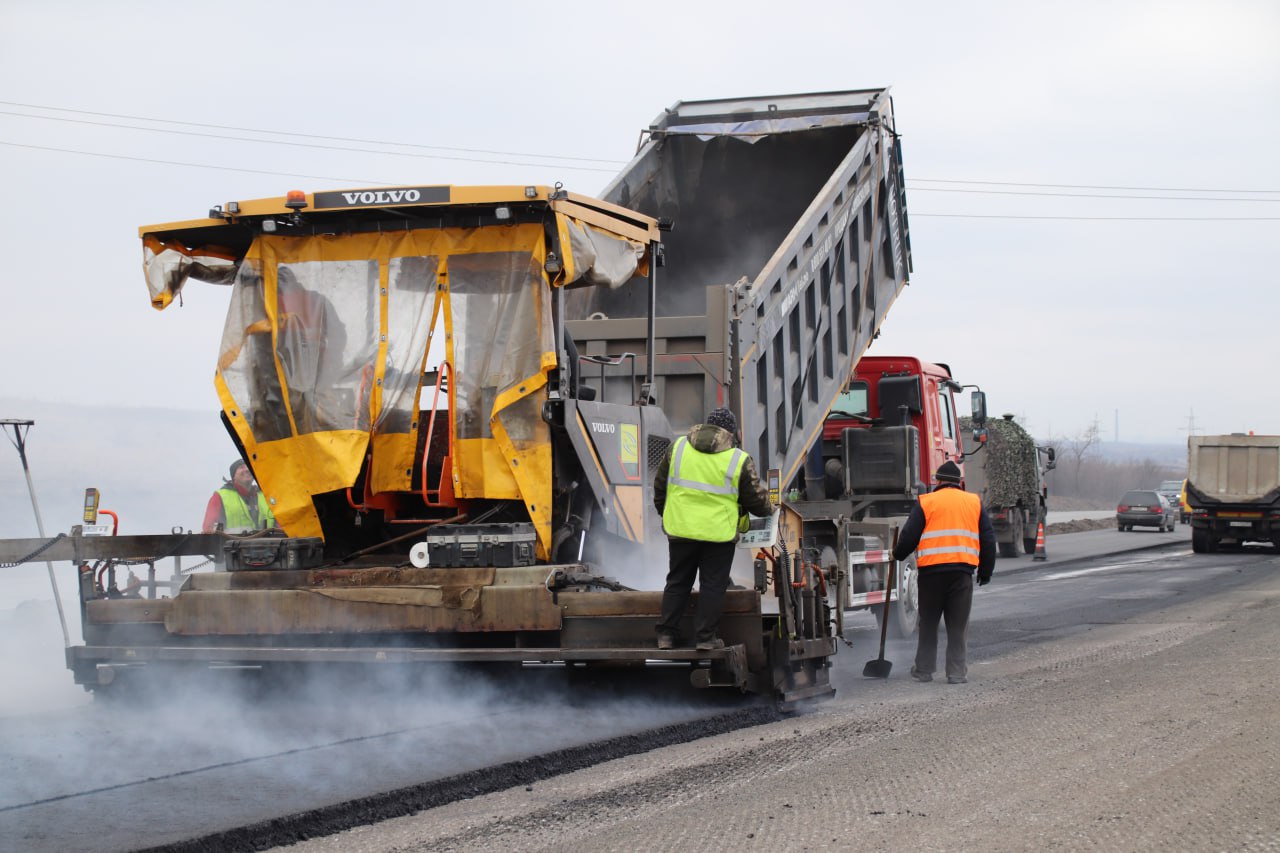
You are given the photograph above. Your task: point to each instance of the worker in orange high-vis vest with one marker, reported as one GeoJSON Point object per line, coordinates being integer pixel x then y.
{"type": "Point", "coordinates": [951, 536]}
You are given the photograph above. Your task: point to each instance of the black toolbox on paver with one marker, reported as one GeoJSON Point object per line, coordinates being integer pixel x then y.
{"type": "Point", "coordinates": [466, 545]}
{"type": "Point", "coordinates": [271, 552]}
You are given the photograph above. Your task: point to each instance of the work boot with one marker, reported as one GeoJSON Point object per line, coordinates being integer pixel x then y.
{"type": "Point", "coordinates": [921, 676]}
{"type": "Point", "coordinates": [710, 645]}
{"type": "Point", "coordinates": [666, 642]}
{"type": "Point", "coordinates": [957, 679]}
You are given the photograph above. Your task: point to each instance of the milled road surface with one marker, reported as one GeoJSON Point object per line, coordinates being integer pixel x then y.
{"type": "Point", "coordinates": [248, 773]}
{"type": "Point", "coordinates": [193, 763]}
{"type": "Point", "coordinates": [1143, 719]}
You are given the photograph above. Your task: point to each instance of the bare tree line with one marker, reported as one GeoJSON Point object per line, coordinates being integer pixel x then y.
{"type": "Point", "coordinates": [1084, 476]}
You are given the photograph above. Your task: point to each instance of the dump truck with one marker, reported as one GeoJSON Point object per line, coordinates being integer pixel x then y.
{"type": "Point", "coordinates": [1233, 490]}
{"type": "Point", "coordinates": [1006, 468]}
{"type": "Point", "coordinates": [890, 429]}
{"type": "Point", "coordinates": [454, 399]}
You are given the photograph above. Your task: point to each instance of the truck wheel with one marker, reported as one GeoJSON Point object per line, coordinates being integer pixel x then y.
{"type": "Point", "coordinates": [904, 614]}
{"type": "Point", "coordinates": [1016, 547]}
{"type": "Point", "coordinates": [1200, 541]}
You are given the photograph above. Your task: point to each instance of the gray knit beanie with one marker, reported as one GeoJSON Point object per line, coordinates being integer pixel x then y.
{"type": "Point", "coordinates": [724, 419]}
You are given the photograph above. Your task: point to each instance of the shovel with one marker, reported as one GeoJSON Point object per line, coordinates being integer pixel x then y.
{"type": "Point", "coordinates": [879, 668]}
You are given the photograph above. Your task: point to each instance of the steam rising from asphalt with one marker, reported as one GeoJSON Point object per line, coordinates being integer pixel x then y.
{"type": "Point", "coordinates": [33, 671]}
{"type": "Point", "coordinates": [644, 567]}
{"type": "Point", "coordinates": [247, 746]}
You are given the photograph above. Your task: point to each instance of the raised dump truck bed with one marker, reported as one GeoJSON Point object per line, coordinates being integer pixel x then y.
{"type": "Point", "coordinates": [788, 245]}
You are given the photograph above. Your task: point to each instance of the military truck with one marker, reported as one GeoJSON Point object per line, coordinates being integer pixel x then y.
{"type": "Point", "coordinates": [1006, 468]}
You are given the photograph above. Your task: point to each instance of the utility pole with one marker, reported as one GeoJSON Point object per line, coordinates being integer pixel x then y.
{"type": "Point", "coordinates": [19, 440]}
{"type": "Point", "coordinates": [1190, 428]}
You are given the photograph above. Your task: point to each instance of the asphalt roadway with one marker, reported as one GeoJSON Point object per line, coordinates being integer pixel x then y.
{"type": "Point", "coordinates": [1121, 697]}
{"type": "Point", "coordinates": [103, 809]}
{"type": "Point", "coordinates": [1064, 548]}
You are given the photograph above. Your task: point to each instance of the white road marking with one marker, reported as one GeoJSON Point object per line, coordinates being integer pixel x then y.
{"type": "Point", "coordinates": [1109, 567]}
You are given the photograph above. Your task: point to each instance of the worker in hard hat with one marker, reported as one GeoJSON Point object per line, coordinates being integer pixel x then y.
{"type": "Point", "coordinates": [951, 536]}
{"type": "Point", "coordinates": [239, 504]}
{"type": "Point", "coordinates": [702, 490]}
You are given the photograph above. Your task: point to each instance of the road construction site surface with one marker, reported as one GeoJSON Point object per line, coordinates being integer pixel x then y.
{"type": "Point", "coordinates": [1108, 728]}
{"type": "Point", "coordinates": [1119, 699]}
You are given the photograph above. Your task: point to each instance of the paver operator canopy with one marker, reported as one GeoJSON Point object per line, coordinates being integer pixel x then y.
{"type": "Point", "coordinates": [336, 299]}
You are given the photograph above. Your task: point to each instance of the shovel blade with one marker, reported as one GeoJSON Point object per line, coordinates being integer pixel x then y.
{"type": "Point", "coordinates": [878, 668]}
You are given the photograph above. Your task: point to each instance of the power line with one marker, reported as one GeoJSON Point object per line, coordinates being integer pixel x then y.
{"type": "Point", "coordinates": [314, 144]}
{"type": "Point", "coordinates": [1087, 186]}
{"type": "Point", "coordinates": [195, 165]}
{"type": "Point", "coordinates": [912, 187]}
{"type": "Point", "coordinates": [1105, 218]}
{"type": "Point", "coordinates": [292, 133]}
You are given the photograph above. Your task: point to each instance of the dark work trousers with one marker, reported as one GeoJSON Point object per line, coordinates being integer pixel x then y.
{"type": "Point", "coordinates": [710, 562]}
{"type": "Point", "coordinates": [944, 594]}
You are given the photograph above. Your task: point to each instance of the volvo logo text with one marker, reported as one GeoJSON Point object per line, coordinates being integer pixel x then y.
{"type": "Point", "coordinates": [391, 195]}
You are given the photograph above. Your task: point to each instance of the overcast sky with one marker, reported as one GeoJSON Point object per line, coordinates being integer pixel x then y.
{"type": "Point", "coordinates": [1105, 306]}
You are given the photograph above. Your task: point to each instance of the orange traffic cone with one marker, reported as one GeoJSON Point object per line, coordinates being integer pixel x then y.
{"type": "Point", "coordinates": [1040, 555]}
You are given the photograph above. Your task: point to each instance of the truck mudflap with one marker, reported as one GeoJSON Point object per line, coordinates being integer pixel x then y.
{"type": "Point", "coordinates": [859, 600]}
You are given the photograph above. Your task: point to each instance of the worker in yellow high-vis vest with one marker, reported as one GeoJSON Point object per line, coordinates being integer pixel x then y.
{"type": "Point", "coordinates": [239, 504]}
{"type": "Point", "coordinates": [951, 536]}
{"type": "Point", "coordinates": [702, 489]}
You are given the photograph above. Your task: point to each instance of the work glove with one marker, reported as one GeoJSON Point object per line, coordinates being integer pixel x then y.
{"type": "Point", "coordinates": [984, 577]}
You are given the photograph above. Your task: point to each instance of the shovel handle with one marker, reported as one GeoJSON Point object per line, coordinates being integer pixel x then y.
{"type": "Point", "coordinates": [884, 619]}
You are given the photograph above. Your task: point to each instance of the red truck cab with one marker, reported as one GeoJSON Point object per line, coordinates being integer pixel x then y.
{"type": "Point", "coordinates": [889, 391]}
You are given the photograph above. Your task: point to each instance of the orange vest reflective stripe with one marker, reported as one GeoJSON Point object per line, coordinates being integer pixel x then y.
{"type": "Point", "coordinates": [950, 528]}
